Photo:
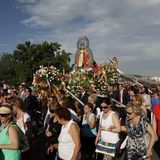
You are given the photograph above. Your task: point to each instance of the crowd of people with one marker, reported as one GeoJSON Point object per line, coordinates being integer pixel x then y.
{"type": "Point", "coordinates": [122, 124]}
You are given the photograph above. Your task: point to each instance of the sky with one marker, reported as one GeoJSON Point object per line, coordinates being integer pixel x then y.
{"type": "Point", "coordinates": [126, 29]}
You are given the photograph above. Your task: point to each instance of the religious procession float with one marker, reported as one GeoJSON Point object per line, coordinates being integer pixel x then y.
{"type": "Point", "coordinates": [86, 72]}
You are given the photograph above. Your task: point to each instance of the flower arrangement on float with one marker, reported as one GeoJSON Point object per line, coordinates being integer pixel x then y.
{"type": "Point", "coordinates": [91, 80]}
{"type": "Point", "coordinates": [75, 80]}
{"type": "Point", "coordinates": [44, 74]}
{"type": "Point", "coordinates": [108, 75]}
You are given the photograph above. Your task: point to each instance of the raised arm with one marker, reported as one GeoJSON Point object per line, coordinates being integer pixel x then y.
{"type": "Point", "coordinates": [92, 122]}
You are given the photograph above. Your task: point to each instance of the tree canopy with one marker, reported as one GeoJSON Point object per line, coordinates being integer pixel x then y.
{"type": "Point", "coordinates": [19, 66]}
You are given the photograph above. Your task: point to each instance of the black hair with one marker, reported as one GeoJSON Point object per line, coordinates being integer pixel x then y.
{"type": "Point", "coordinates": [107, 101]}
{"type": "Point", "coordinates": [63, 113]}
{"type": "Point", "coordinates": [29, 89]}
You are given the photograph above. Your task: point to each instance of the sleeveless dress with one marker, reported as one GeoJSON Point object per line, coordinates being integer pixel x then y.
{"type": "Point", "coordinates": [107, 136]}
{"type": "Point", "coordinates": [108, 140]}
{"type": "Point", "coordinates": [136, 147]}
{"type": "Point", "coordinates": [8, 154]}
{"type": "Point", "coordinates": [66, 145]}
{"type": "Point", "coordinates": [88, 137]}
{"type": "Point", "coordinates": [88, 132]}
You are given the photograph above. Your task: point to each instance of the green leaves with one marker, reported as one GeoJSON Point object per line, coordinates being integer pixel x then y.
{"type": "Point", "coordinates": [26, 58]}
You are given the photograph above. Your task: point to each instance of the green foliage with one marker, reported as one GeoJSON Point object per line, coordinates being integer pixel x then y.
{"type": "Point", "coordinates": [6, 71]}
{"type": "Point", "coordinates": [26, 58]}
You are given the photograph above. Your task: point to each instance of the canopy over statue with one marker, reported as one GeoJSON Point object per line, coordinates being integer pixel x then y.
{"type": "Point", "coordinates": [84, 57]}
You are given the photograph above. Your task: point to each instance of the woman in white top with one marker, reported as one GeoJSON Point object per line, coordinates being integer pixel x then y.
{"type": "Point", "coordinates": [69, 138]}
{"type": "Point", "coordinates": [146, 97]}
{"type": "Point", "coordinates": [109, 125]}
{"type": "Point", "coordinates": [23, 120]}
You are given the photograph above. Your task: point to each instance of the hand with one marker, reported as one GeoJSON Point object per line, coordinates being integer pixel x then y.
{"type": "Point", "coordinates": [149, 152]}
{"type": "Point", "coordinates": [86, 118]}
{"type": "Point", "coordinates": [50, 149]}
{"type": "Point", "coordinates": [102, 128]}
{"type": "Point", "coordinates": [156, 136]}
{"type": "Point", "coordinates": [48, 133]}
{"type": "Point", "coordinates": [110, 128]}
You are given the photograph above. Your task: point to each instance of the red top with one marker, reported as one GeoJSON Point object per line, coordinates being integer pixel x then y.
{"type": "Point", "coordinates": [156, 111]}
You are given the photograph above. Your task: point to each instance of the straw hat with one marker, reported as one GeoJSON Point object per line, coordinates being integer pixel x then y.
{"type": "Point", "coordinates": [5, 110]}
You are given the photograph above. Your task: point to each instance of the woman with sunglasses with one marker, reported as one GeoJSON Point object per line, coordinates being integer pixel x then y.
{"type": "Point", "coordinates": [136, 126]}
{"type": "Point", "coordinates": [109, 126]}
{"type": "Point", "coordinates": [9, 136]}
{"type": "Point", "coordinates": [138, 100]}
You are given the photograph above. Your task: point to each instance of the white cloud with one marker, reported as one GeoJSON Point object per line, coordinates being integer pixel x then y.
{"type": "Point", "coordinates": [128, 29]}
{"type": "Point", "coordinates": [27, 1]}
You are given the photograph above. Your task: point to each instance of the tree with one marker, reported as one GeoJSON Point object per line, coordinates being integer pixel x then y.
{"type": "Point", "coordinates": [6, 71]}
{"type": "Point", "coordinates": [26, 58]}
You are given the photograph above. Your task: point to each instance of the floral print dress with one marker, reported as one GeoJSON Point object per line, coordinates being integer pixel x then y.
{"type": "Point", "coordinates": [136, 147]}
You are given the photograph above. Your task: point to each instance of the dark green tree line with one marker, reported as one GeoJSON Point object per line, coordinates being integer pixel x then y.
{"type": "Point", "coordinates": [20, 65]}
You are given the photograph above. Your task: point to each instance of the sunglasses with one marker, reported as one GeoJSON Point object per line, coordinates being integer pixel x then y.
{"type": "Point", "coordinates": [104, 107]}
{"type": "Point", "coordinates": [129, 113]}
{"type": "Point", "coordinates": [4, 115]}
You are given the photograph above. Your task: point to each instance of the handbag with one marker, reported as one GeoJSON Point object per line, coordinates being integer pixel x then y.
{"type": "Point", "coordinates": [106, 148]}
{"type": "Point", "coordinates": [24, 145]}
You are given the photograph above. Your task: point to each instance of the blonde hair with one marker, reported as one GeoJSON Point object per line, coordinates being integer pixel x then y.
{"type": "Point", "coordinates": [138, 99]}
{"type": "Point", "coordinates": [92, 99]}
{"type": "Point", "coordinates": [136, 109]}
